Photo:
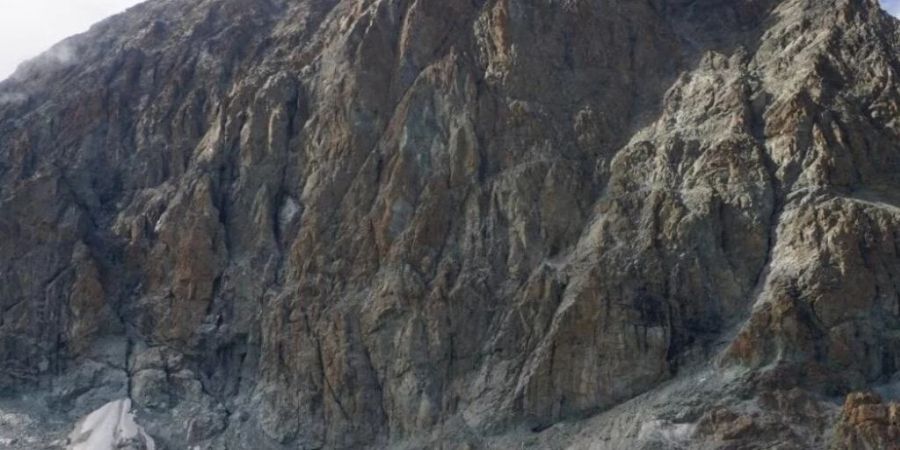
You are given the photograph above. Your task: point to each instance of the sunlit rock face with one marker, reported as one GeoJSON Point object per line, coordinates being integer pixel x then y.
{"type": "Point", "coordinates": [461, 224]}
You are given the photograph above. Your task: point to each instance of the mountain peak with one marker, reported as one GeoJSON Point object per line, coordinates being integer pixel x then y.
{"type": "Point", "coordinates": [386, 223]}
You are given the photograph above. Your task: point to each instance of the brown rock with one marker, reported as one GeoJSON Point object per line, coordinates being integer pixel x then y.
{"type": "Point", "coordinates": [350, 224]}
{"type": "Point", "coordinates": [867, 423]}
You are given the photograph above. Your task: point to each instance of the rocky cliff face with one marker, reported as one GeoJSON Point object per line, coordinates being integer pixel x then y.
{"type": "Point", "coordinates": [598, 224]}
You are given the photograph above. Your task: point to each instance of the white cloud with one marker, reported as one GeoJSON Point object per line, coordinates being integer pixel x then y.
{"type": "Point", "coordinates": [29, 27]}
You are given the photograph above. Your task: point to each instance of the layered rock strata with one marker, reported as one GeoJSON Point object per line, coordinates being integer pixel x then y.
{"type": "Point", "coordinates": [455, 223]}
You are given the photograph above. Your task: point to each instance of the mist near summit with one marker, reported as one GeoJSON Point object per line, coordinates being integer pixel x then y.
{"type": "Point", "coordinates": [29, 27]}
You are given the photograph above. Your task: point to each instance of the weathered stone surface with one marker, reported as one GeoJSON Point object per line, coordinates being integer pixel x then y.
{"type": "Point", "coordinates": [453, 223]}
{"type": "Point", "coordinates": [868, 423]}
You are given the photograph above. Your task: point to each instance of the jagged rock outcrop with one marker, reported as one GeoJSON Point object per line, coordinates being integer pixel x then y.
{"type": "Point", "coordinates": [460, 224]}
{"type": "Point", "coordinates": [866, 422]}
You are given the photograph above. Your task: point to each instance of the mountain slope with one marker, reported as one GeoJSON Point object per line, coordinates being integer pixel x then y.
{"type": "Point", "coordinates": [345, 224]}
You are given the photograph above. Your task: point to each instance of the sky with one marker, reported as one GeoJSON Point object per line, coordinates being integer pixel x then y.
{"type": "Point", "coordinates": [892, 6]}
{"type": "Point", "coordinates": [28, 27]}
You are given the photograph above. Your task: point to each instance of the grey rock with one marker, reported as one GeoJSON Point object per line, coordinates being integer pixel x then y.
{"type": "Point", "coordinates": [452, 223]}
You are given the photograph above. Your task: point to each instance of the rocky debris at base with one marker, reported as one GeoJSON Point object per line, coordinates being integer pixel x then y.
{"type": "Point", "coordinates": [385, 223]}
